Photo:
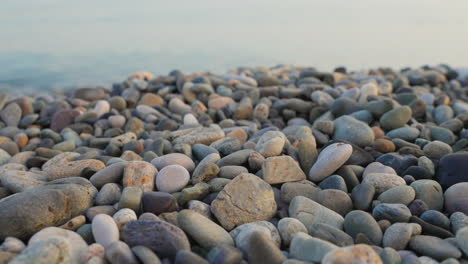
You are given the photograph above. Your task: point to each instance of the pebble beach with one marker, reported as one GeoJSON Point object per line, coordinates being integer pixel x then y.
{"type": "Point", "coordinates": [274, 165]}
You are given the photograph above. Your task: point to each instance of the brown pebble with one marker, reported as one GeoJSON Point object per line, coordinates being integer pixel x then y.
{"type": "Point", "coordinates": [378, 132]}
{"type": "Point", "coordinates": [384, 145]}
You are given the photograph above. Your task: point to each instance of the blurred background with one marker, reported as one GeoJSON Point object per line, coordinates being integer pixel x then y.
{"type": "Point", "coordinates": [48, 44]}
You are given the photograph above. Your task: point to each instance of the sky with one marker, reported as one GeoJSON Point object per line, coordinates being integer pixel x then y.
{"type": "Point", "coordinates": [74, 42]}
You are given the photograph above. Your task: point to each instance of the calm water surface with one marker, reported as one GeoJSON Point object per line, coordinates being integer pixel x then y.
{"type": "Point", "coordinates": [56, 44]}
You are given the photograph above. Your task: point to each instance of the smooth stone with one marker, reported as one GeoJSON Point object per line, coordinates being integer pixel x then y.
{"type": "Point", "coordinates": [430, 192]}
{"type": "Point", "coordinates": [330, 234]}
{"type": "Point", "coordinates": [145, 255]}
{"type": "Point", "coordinates": [202, 135]}
{"type": "Point", "coordinates": [74, 243]}
{"type": "Point", "coordinates": [245, 199]}
{"type": "Point", "coordinates": [100, 209]}
{"type": "Point", "coordinates": [405, 133]}
{"type": "Point", "coordinates": [241, 233]}
{"type": "Point", "coordinates": [350, 129]}
{"type": "Point", "coordinates": [271, 144]}
{"type": "Point", "coordinates": [158, 202]}
{"type": "Point", "coordinates": [377, 167]}
{"type": "Point", "coordinates": [224, 254]}
{"type": "Point", "coordinates": [118, 252]}
{"type": "Point", "coordinates": [139, 174]}
{"type": "Point", "coordinates": [262, 250]}
{"type": "Point", "coordinates": [288, 227]}
{"type": "Point", "coordinates": [451, 169]}
{"type": "Point", "coordinates": [358, 221]}
{"type": "Point", "coordinates": [396, 118]}
{"type": "Point", "coordinates": [18, 181]}
{"type": "Point", "coordinates": [462, 239]}
{"type": "Point", "coordinates": [11, 114]}
{"type": "Point", "coordinates": [304, 188]}
{"type": "Point", "coordinates": [442, 113]}
{"type": "Point", "coordinates": [237, 158]}
{"type": "Point", "coordinates": [52, 204]}
{"type": "Point", "coordinates": [398, 235]}
{"type": "Point", "coordinates": [161, 237]}
{"type": "Point", "coordinates": [400, 194]}
{"type": "Point", "coordinates": [398, 162]}
{"type": "Point", "coordinates": [383, 181]}
{"type": "Point", "coordinates": [172, 178]}
{"type": "Point", "coordinates": [109, 194]}
{"type": "Point", "coordinates": [442, 134]}
{"type": "Point", "coordinates": [456, 198]}
{"type": "Point", "coordinates": [131, 198]}
{"type": "Point", "coordinates": [437, 149]}
{"type": "Point", "coordinates": [64, 165]}
{"type": "Point", "coordinates": [334, 182]}
{"type": "Point", "coordinates": [206, 169]}
{"type": "Point", "coordinates": [336, 200]}
{"type": "Point", "coordinates": [201, 208]}
{"type": "Point", "coordinates": [458, 220]}
{"type": "Point", "coordinates": [123, 139]}
{"type": "Point", "coordinates": [430, 229]}
{"type": "Point", "coordinates": [52, 250]}
{"type": "Point", "coordinates": [123, 216]}
{"type": "Point", "coordinates": [307, 248]}
{"type": "Point", "coordinates": [105, 230]}
{"type": "Point", "coordinates": [352, 254]}
{"type": "Point", "coordinates": [204, 231]}
{"type": "Point", "coordinates": [436, 218]}
{"type": "Point", "coordinates": [174, 159]}
{"type": "Point", "coordinates": [230, 172]}
{"type": "Point", "coordinates": [362, 196]}
{"type": "Point", "coordinates": [281, 169]}
{"type": "Point", "coordinates": [329, 160]}
{"type": "Point", "coordinates": [434, 247]}
{"type": "Point", "coordinates": [111, 174]}
{"type": "Point", "coordinates": [392, 212]}
{"type": "Point", "coordinates": [310, 212]}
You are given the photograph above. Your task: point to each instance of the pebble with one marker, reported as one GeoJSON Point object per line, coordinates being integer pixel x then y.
{"type": "Point", "coordinates": [109, 194]}
{"type": "Point", "coordinates": [204, 231]}
{"type": "Point", "coordinates": [281, 169]}
{"type": "Point", "coordinates": [350, 129]}
{"type": "Point", "coordinates": [105, 230]}
{"type": "Point", "coordinates": [161, 237]}
{"type": "Point", "coordinates": [391, 191]}
{"type": "Point", "coordinates": [396, 118]}
{"type": "Point", "coordinates": [118, 252]}
{"type": "Point", "coordinates": [456, 198]}
{"type": "Point", "coordinates": [123, 216]}
{"type": "Point", "coordinates": [352, 254]}
{"type": "Point", "coordinates": [434, 247]}
{"type": "Point", "coordinates": [158, 202]}
{"type": "Point", "coordinates": [430, 192]}
{"type": "Point", "coordinates": [310, 212]}
{"type": "Point", "coordinates": [358, 221]}
{"type": "Point", "coordinates": [329, 160]}
{"type": "Point", "coordinates": [398, 195]}
{"type": "Point", "coordinates": [383, 181]}
{"type": "Point", "coordinates": [172, 178]}
{"type": "Point", "coordinates": [330, 234]}
{"type": "Point", "coordinates": [391, 212]}
{"type": "Point", "coordinates": [288, 227]}
{"type": "Point", "coordinates": [311, 249]}
{"type": "Point", "coordinates": [362, 196]}
{"type": "Point", "coordinates": [174, 159]}
{"type": "Point", "coordinates": [139, 174]}
{"type": "Point", "coordinates": [232, 208]}
{"type": "Point", "coordinates": [398, 235]}
{"type": "Point", "coordinates": [145, 255]}
{"type": "Point", "coordinates": [451, 169]}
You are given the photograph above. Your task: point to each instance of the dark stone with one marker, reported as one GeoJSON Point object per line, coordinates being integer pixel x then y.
{"type": "Point", "coordinates": [159, 202]}
{"type": "Point", "coordinates": [430, 229]}
{"type": "Point", "coordinates": [453, 169]}
{"type": "Point", "coordinates": [417, 172]}
{"type": "Point", "coordinates": [162, 237]}
{"type": "Point", "coordinates": [398, 162]}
